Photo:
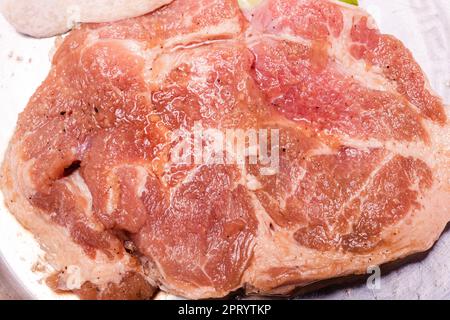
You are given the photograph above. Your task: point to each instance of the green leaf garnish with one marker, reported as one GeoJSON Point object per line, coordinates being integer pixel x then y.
{"type": "Point", "coordinates": [353, 2]}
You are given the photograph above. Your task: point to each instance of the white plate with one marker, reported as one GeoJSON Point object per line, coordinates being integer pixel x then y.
{"type": "Point", "coordinates": [424, 27]}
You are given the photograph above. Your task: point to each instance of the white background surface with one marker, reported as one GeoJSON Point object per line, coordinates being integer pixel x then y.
{"type": "Point", "coordinates": [424, 26]}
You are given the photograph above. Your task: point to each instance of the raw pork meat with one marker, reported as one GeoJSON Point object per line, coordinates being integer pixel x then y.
{"type": "Point", "coordinates": [363, 175]}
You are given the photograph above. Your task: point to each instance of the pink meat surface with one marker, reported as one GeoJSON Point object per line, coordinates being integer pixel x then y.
{"type": "Point", "coordinates": [364, 164]}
